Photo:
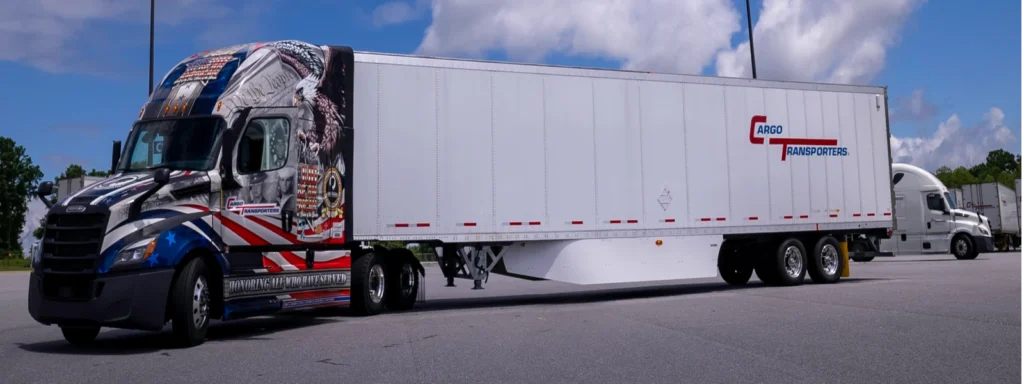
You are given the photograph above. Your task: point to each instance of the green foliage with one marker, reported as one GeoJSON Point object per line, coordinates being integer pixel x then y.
{"type": "Point", "coordinates": [15, 263]}
{"type": "Point", "coordinates": [1000, 166]}
{"type": "Point", "coordinates": [18, 179]}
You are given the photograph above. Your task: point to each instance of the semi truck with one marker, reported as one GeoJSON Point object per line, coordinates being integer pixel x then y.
{"type": "Point", "coordinates": [265, 177]}
{"type": "Point", "coordinates": [998, 203]}
{"type": "Point", "coordinates": [930, 221]}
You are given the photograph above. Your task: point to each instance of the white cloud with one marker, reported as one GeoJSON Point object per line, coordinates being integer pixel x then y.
{"type": "Point", "coordinates": [837, 41]}
{"type": "Point", "coordinates": [953, 144]}
{"type": "Point", "coordinates": [398, 12]}
{"type": "Point", "coordinates": [69, 36]}
{"type": "Point", "coordinates": [913, 108]}
{"type": "Point", "coordinates": [654, 35]}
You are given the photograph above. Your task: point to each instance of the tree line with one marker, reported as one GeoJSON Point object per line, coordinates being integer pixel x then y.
{"type": "Point", "coordinates": [19, 178]}
{"type": "Point", "coordinates": [999, 166]}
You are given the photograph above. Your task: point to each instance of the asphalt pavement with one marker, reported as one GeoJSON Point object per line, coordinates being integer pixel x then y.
{"type": "Point", "coordinates": [924, 319]}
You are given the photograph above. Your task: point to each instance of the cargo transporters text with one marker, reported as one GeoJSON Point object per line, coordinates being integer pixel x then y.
{"type": "Point", "coordinates": [257, 176]}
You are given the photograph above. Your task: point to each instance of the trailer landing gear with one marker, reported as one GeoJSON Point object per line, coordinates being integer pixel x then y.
{"type": "Point", "coordinates": [475, 263]}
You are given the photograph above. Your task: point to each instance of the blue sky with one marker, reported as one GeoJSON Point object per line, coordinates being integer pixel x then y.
{"type": "Point", "coordinates": [78, 71]}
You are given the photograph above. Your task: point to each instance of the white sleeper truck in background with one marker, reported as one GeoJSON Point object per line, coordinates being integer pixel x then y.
{"type": "Point", "coordinates": [601, 176]}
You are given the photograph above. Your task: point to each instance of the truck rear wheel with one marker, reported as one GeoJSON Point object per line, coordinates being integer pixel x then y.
{"type": "Point", "coordinates": [190, 304]}
{"type": "Point", "coordinates": [403, 280]}
{"type": "Point", "coordinates": [963, 248]}
{"type": "Point", "coordinates": [369, 283]}
{"type": "Point", "coordinates": [80, 335]}
{"type": "Point", "coordinates": [785, 265]}
{"type": "Point", "coordinates": [825, 264]}
{"type": "Point", "coordinates": [735, 267]}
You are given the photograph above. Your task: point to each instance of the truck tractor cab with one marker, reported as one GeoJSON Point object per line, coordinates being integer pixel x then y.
{"type": "Point", "coordinates": [928, 220]}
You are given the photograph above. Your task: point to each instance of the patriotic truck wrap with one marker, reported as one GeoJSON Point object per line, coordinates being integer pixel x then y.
{"type": "Point", "coordinates": [258, 178]}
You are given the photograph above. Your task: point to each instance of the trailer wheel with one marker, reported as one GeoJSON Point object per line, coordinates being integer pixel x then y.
{"type": "Point", "coordinates": [963, 248]}
{"type": "Point", "coordinates": [403, 280]}
{"type": "Point", "coordinates": [787, 265]}
{"type": "Point", "coordinates": [80, 335]}
{"type": "Point", "coordinates": [190, 304]}
{"type": "Point", "coordinates": [825, 264]}
{"type": "Point", "coordinates": [764, 267]}
{"type": "Point", "coordinates": [735, 267]}
{"type": "Point", "coordinates": [369, 284]}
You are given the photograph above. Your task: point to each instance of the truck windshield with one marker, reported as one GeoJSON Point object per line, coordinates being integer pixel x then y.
{"type": "Point", "coordinates": [950, 200]}
{"type": "Point", "coordinates": [181, 144]}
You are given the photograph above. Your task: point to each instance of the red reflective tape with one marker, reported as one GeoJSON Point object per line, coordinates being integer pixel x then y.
{"type": "Point", "coordinates": [804, 217]}
{"type": "Point", "coordinates": [752, 218]}
{"type": "Point", "coordinates": [833, 215]}
{"type": "Point", "coordinates": [421, 225]}
{"type": "Point", "coordinates": [632, 221]}
{"type": "Point", "coordinates": [871, 215]}
{"type": "Point", "coordinates": [516, 223]}
{"type": "Point", "coordinates": [670, 220]}
{"type": "Point", "coordinates": [887, 214]}
{"type": "Point", "coordinates": [856, 215]}
{"type": "Point", "coordinates": [402, 225]}
{"type": "Point", "coordinates": [615, 222]}
{"type": "Point", "coordinates": [468, 224]}
{"type": "Point", "coordinates": [576, 222]}
{"type": "Point", "coordinates": [705, 219]}
{"type": "Point", "coordinates": [534, 223]}
{"type": "Point", "coordinates": [720, 219]}
{"type": "Point", "coordinates": [787, 217]}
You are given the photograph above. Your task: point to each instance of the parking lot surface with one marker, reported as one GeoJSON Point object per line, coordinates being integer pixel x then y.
{"type": "Point", "coordinates": [921, 319]}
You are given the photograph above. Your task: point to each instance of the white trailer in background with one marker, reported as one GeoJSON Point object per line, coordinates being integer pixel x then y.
{"type": "Point", "coordinates": [998, 203]}
{"type": "Point", "coordinates": [958, 196]}
{"type": "Point", "coordinates": [67, 187]}
{"type": "Point", "coordinates": [1019, 185]}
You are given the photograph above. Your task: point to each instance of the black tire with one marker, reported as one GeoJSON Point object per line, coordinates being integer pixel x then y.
{"type": "Point", "coordinates": [80, 335]}
{"type": "Point", "coordinates": [764, 267]}
{"type": "Point", "coordinates": [963, 247]}
{"type": "Point", "coordinates": [856, 248]}
{"type": "Point", "coordinates": [734, 267]}
{"type": "Point", "coordinates": [190, 304]}
{"type": "Point", "coordinates": [403, 280]}
{"type": "Point", "coordinates": [369, 285]}
{"type": "Point", "coordinates": [776, 263]}
{"type": "Point", "coordinates": [825, 264]}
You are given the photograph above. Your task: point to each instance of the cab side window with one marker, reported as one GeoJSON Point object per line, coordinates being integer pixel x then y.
{"type": "Point", "coordinates": [935, 202]}
{"type": "Point", "coordinates": [264, 145]}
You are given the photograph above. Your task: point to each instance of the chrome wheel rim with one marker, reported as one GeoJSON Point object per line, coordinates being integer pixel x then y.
{"type": "Point", "coordinates": [200, 302]}
{"type": "Point", "coordinates": [376, 283]}
{"type": "Point", "coordinates": [794, 261]}
{"type": "Point", "coordinates": [829, 259]}
{"type": "Point", "coordinates": [408, 279]}
{"type": "Point", "coordinates": [961, 247]}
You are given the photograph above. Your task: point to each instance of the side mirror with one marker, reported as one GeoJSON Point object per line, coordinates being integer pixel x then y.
{"type": "Point", "coordinates": [115, 157]}
{"type": "Point", "coordinates": [162, 176]}
{"type": "Point", "coordinates": [44, 190]}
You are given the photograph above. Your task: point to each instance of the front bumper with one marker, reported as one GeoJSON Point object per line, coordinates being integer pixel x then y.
{"type": "Point", "coordinates": [984, 244]}
{"type": "Point", "coordinates": [135, 300]}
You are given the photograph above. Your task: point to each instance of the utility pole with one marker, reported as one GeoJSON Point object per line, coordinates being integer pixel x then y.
{"type": "Point", "coordinates": [750, 34]}
{"type": "Point", "coordinates": [152, 18]}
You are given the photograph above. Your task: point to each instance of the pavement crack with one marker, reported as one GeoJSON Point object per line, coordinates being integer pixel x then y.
{"type": "Point", "coordinates": [328, 361]}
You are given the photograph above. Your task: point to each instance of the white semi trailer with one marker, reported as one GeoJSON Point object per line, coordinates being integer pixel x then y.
{"type": "Point", "coordinates": [998, 203]}
{"type": "Point", "coordinates": [262, 174]}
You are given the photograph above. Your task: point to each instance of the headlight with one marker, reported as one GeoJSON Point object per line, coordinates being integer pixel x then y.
{"type": "Point", "coordinates": [37, 253]}
{"type": "Point", "coordinates": [983, 230]}
{"type": "Point", "coordinates": [135, 253]}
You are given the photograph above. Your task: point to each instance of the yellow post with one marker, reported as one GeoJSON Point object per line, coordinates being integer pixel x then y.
{"type": "Point", "coordinates": [845, 254]}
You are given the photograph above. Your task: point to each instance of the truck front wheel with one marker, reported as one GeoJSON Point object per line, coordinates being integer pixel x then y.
{"type": "Point", "coordinates": [190, 304]}
{"type": "Point", "coordinates": [963, 247]}
{"type": "Point", "coordinates": [80, 335]}
{"type": "Point", "coordinates": [369, 284]}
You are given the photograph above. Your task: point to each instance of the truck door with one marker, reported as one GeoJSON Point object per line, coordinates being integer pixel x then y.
{"type": "Point", "coordinates": [258, 212]}
{"type": "Point", "coordinates": [938, 223]}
